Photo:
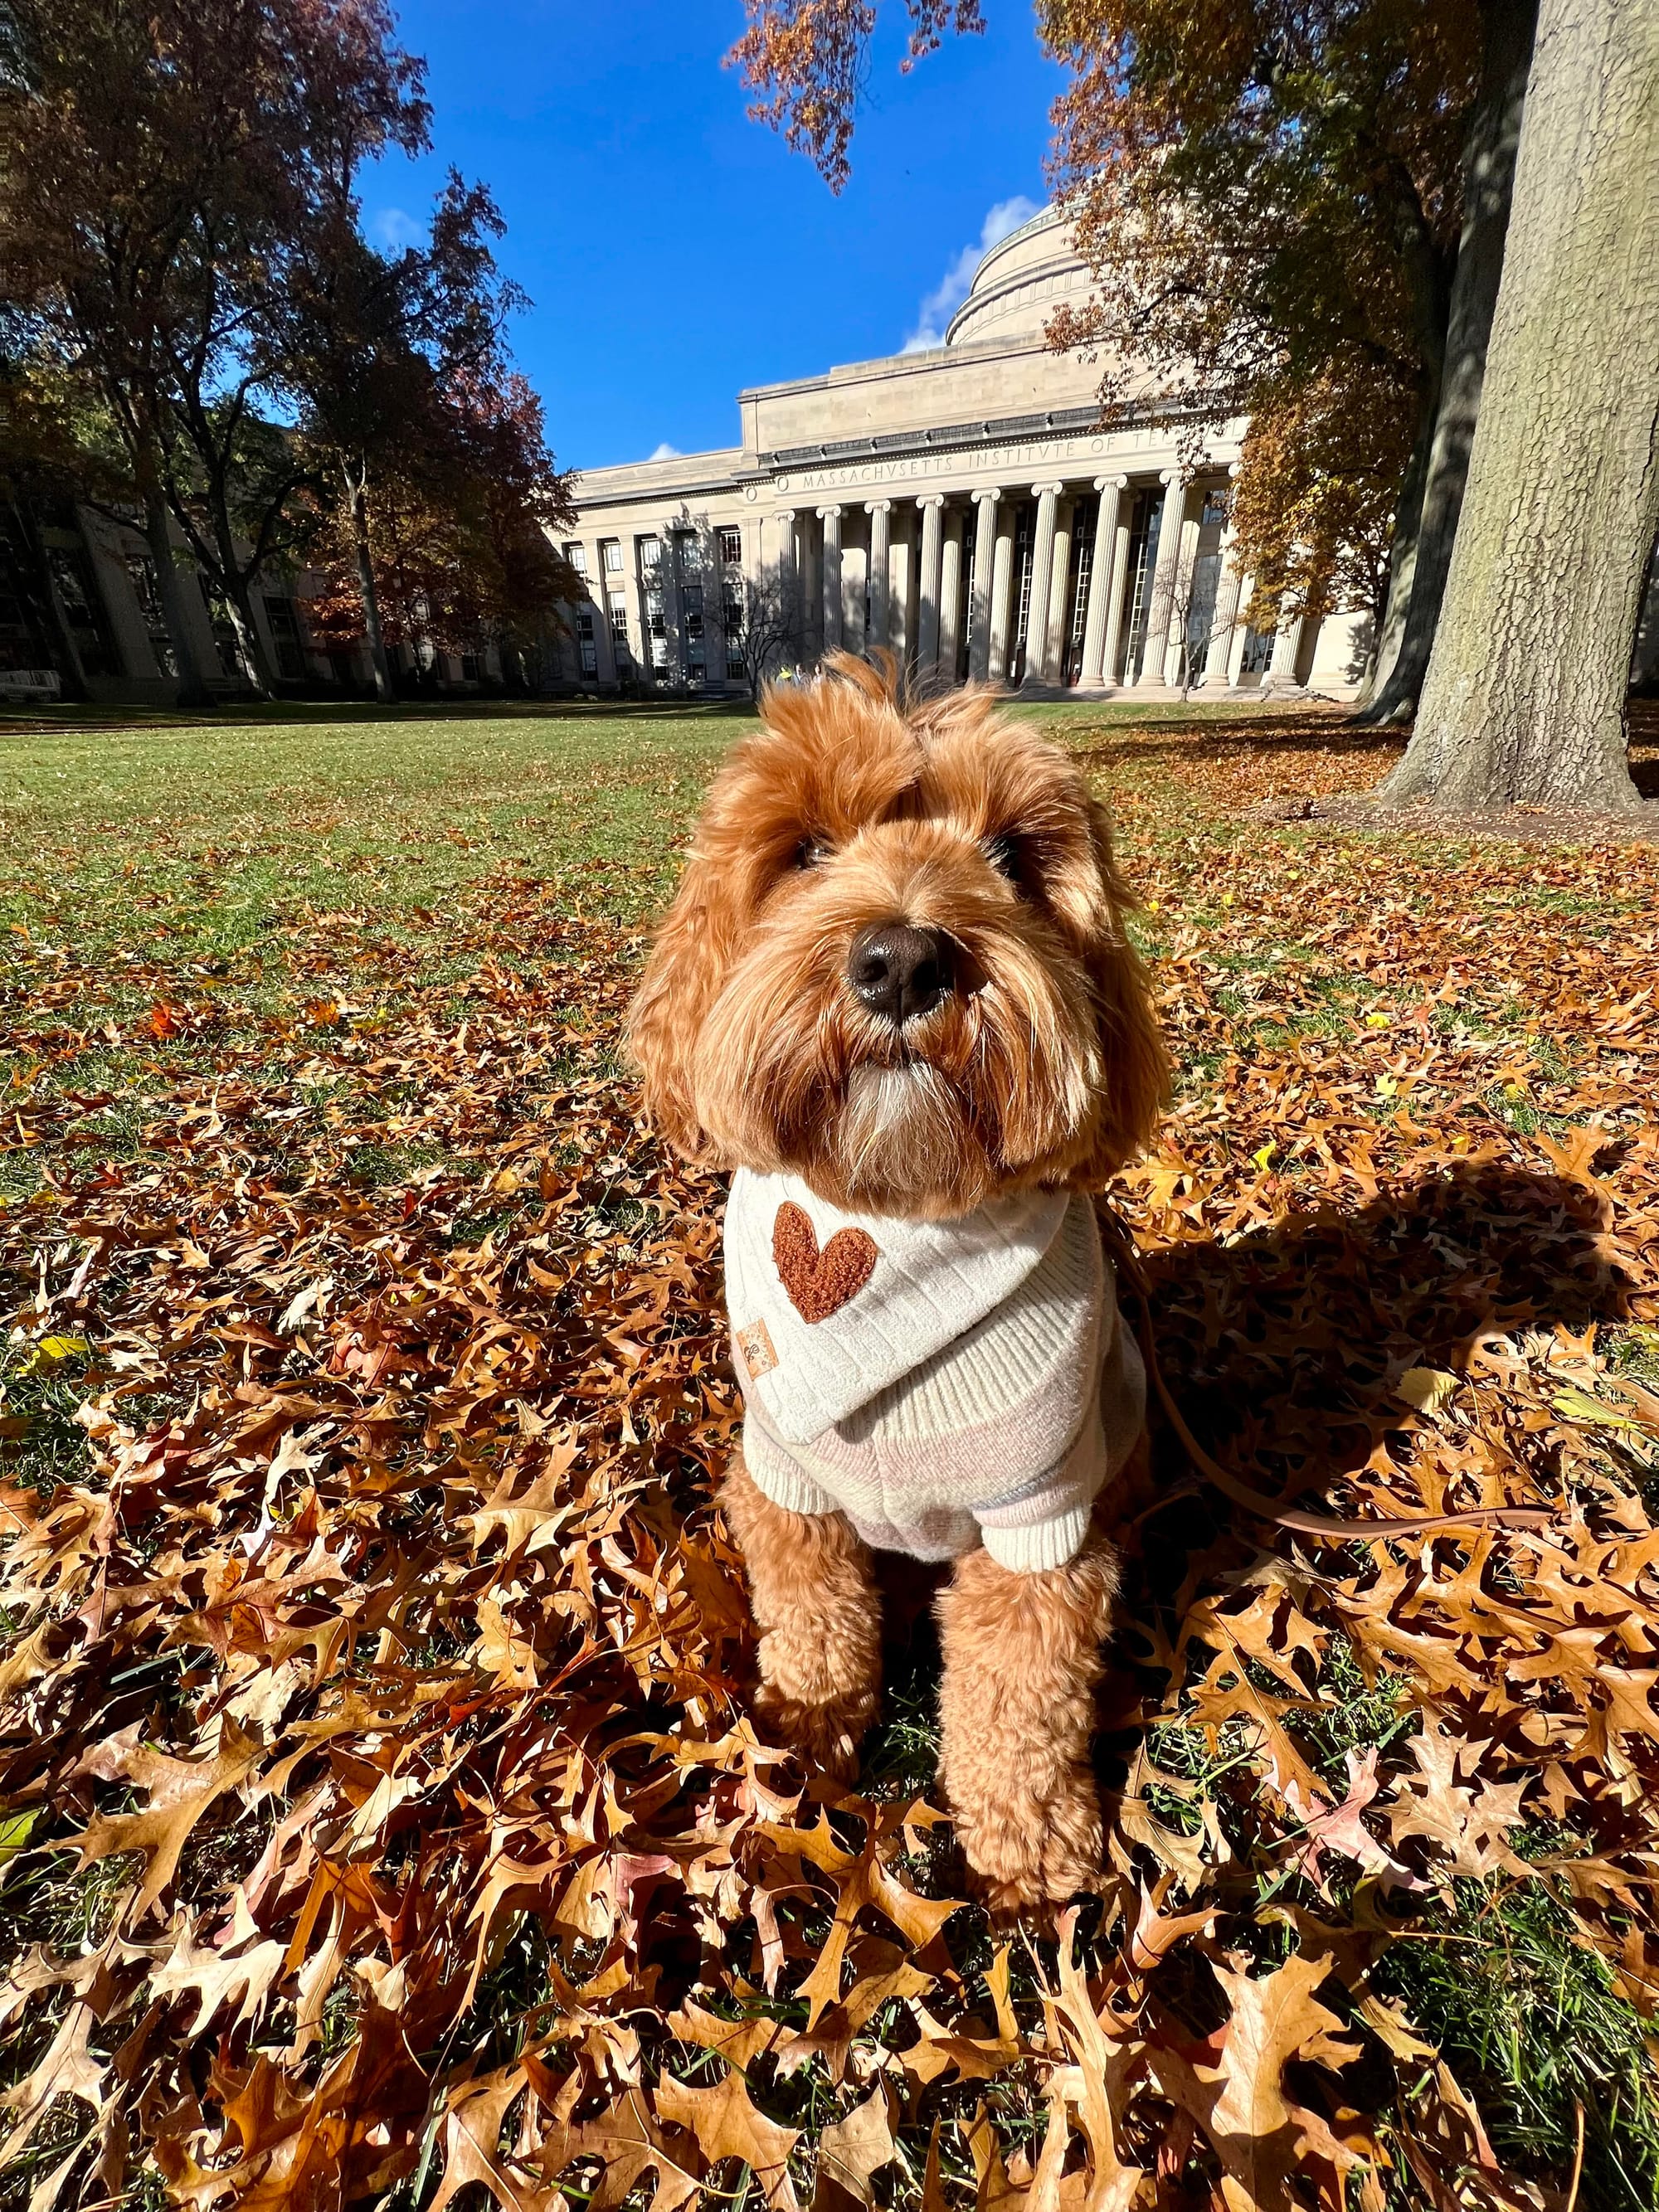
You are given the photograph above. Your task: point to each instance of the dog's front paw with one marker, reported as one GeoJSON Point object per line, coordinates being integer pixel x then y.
{"type": "Point", "coordinates": [826, 1736]}
{"type": "Point", "coordinates": [814, 1700]}
{"type": "Point", "coordinates": [1021, 1852]}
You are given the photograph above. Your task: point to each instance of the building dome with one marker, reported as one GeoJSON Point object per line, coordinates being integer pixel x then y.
{"type": "Point", "coordinates": [1019, 285]}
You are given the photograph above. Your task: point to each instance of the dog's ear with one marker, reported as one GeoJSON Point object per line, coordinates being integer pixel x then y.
{"type": "Point", "coordinates": [1131, 1046]}
{"type": "Point", "coordinates": [682, 975]}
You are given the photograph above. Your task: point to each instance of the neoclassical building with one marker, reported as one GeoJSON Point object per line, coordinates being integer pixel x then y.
{"type": "Point", "coordinates": [962, 506]}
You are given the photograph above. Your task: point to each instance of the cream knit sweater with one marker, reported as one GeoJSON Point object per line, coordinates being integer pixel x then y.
{"type": "Point", "coordinates": [941, 1382]}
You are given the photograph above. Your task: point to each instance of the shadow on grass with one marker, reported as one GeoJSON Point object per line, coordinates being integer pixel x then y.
{"type": "Point", "coordinates": [1282, 1343]}
{"type": "Point", "coordinates": [1251, 731]}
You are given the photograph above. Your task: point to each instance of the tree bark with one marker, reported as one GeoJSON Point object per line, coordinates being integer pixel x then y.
{"type": "Point", "coordinates": [1489, 151]}
{"type": "Point", "coordinates": [239, 598]}
{"type": "Point", "coordinates": [237, 585]}
{"type": "Point", "coordinates": [384, 690]}
{"type": "Point", "coordinates": [1524, 698]}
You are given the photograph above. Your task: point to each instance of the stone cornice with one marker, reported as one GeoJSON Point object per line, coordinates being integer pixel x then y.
{"type": "Point", "coordinates": [989, 430]}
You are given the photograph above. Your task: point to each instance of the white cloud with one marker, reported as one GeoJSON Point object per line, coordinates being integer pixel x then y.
{"type": "Point", "coordinates": [952, 289]}
{"type": "Point", "coordinates": [392, 229]}
{"type": "Point", "coordinates": [665, 453]}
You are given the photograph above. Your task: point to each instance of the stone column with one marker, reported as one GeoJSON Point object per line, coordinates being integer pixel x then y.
{"type": "Point", "coordinates": [789, 589]}
{"type": "Point", "coordinates": [830, 518]}
{"type": "Point", "coordinates": [1162, 594]}
{"type": "Point", "coordinates": [1241, 637]}
{"type": "Point", "coordinates": [1218, 661]}
{"type": "Point", "coordinates": [949, 599]}
{"type": "Point", "coordinates": [878, 510]}
{"type": "Point", "coordinates": [1287, 643]}
{"type": "Point", "coordinates": [1002, 593]}
{"type": "Point", "coordinates": [932, 552]}
{"type": "Point", "coordinates": [979, 628]}
{"type": "Point", "coordinates": [1046, 496]}
{"type": "Point", "coordinates": [1180, 599]}
{"type": "Point", "coordinates": [1100, 583]}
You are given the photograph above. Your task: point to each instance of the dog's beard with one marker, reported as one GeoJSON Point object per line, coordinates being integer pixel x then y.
{"type": "Point", "coordinates": [902, 1130]}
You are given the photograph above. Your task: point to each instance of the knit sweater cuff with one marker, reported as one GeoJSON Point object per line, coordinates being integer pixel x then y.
{"type": "Point", "coordinates": [1037, 1546]}
{"type": "Point", "coordinates": [779, 1476]}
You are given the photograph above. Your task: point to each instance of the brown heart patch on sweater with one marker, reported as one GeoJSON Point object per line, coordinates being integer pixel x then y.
{"type": "Point", "coordinates": [819, 1284]}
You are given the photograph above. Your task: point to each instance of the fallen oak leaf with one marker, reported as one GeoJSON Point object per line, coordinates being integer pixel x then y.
{"type": "Point", "coordinates": [472, 2138]}
{"type": "Point", "coordinates": [1339, 1828]}
{"type": "Point", "coordinates": [1238, 2099]}
{"type": "Point", "coordinates": [180, 1791]}
{"type": "Point", "coordinates": [725, 2124]}
{"type": "Point", "coordinates": [68, 2068]}
{"type": "Point", "coordinates": [213, 1978]}
{"type": "Point", "coordinates": [853, 2150]}
{"type": "Point", "coordinates": [1154, 1934]}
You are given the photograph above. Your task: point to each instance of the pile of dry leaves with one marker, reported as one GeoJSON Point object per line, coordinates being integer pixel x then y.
{"type": "Point", "coordinates": [383, 1666]}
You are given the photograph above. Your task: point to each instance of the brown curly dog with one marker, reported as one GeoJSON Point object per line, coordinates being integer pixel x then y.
{"type": "Point", "coordinates": [895, 997]}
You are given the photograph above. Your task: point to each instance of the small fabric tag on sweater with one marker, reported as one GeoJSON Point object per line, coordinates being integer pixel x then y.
{"type": "Point", "coordinates": [754, 1343]}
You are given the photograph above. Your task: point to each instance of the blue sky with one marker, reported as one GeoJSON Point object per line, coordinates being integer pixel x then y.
{"type": "Point", "coordinates": [675, 250]}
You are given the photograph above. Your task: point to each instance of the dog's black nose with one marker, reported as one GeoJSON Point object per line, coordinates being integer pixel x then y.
{"type": "Point", "coordinates": [898, 970]}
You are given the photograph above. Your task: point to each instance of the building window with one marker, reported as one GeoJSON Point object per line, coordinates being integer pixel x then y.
{"type": "Point", "coordinates": [284, 621]}
{"type": "Point", "coordinates": [733, 615]}
{"type": "Point", "coordinates": [1143, 564]}
{"type": "Point", "coordinates": [1024, 552]}
{"type": "Point", "coordinates": [1215, 505]}
{"type": "Point", "coordinates": [689, 553]}
{"type": "Point", "coordinates": [734, 668]}
{"type": "Point", "coordinates": [470, 668]}
{"type": "Point", "coordinates": [142, 569]}
{"type": "Point", "coordinates": [589, 643]}
{"type": "Point", "coordinates": [226, 643]}
{"type": "Point", "coordinates": [970, 559]}
{"type": "Point", "coordinates": [691, 610]}
{"type": "Point", "coordinates": [731, 548]}
{"type": "Point", "coordinates": [577, 557]}
{"type": "Point", "coordinates": [650, 556]}
{"type": "Point", "coordinates": [1258, 652]}
{"type": "Point", "coordinates": [610, 553]}
{"type": "Point", "coordinates": [83, 609]}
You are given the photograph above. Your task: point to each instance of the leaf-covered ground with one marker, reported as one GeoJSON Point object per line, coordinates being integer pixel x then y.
{"type": "Point", "coordinates": [383, 1819]}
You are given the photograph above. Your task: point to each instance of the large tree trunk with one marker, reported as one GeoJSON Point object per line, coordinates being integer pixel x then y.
{"type": "Point", "coordinates": [1524, 698]}
{"type": "Point", "coordinates": [1489, 150]}
{"type": "Point", "coordinates": [239, 598]}
{"type": "Point", "coordinates": [383, 688]}
{"type": "Point", "coordinates": [238, 588]}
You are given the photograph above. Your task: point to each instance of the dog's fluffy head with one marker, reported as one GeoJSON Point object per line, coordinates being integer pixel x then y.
{"type": "Point", "coordinates": [1041, 1065]}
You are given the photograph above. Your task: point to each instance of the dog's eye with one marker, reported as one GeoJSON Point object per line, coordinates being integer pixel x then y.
{"type": "Point", "coordinates": [810, 851]}
{"type": "Point", "coordinates": [1003, 852]}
